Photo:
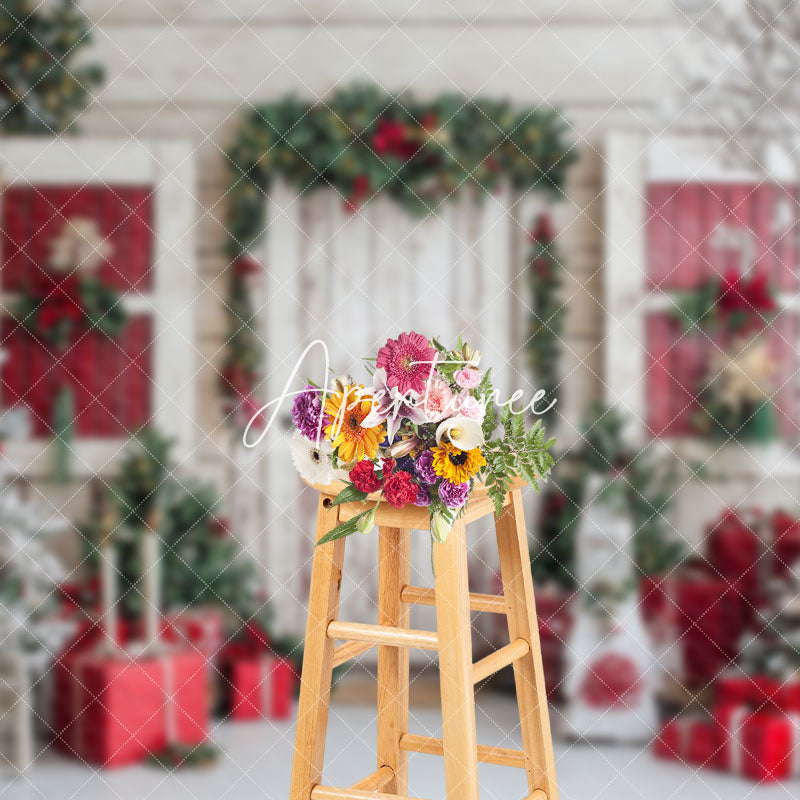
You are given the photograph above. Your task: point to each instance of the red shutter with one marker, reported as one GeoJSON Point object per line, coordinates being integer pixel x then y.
{"type": "Point", "coordinates": [110, 379]}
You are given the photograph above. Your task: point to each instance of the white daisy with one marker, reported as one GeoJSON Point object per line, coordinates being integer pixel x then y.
{"type": "Point", "coordinates": [312, 462]}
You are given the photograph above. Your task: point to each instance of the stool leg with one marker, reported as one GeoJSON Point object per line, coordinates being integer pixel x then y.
{"type": "Point", "coordinates": [455, 665]}
{"type": "Point", "coordinates": [394, 550]}
{"type": "Point", "coordinates": [315, 682]}
{"type": "Point", "coordinates": [512, 542]}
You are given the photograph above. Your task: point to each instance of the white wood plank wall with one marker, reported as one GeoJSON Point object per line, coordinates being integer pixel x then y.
{"type": "Point", "coordinates": [185, 68]}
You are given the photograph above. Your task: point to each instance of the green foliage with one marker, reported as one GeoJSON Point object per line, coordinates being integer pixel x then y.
{"type": "Point", "coordinates": [362, 140]}
{"type": "Point", "coordinates": [645, 486]}
{"type": "Point", "coordinates": [545, 275]}
{"type": "Point", "coordinates": [43, 85]}
{"type": "Point", "coordinates": [553, 557]}
{"type": "Point", "coordinates": [519, 453]}
{"type": "Point", "coordinates": [698, 308]}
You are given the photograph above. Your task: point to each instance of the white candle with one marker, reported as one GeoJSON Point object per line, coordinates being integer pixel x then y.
{"type": "Point", "coordinates": [108, 590]}
{"type": "Point", "coordinates": [151, 588]}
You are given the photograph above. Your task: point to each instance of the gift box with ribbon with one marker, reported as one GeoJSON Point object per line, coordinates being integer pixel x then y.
{"type": "Point", "coordinates": [761, 745]}
{"type": "Point", "coordinates": [759, 692]}
{"type": "Point", "coordinates": [257, 684]}
{"type": "Point", "coordinates": [692, 739]}
{"type": "Point", "coordinates": [122, 709]}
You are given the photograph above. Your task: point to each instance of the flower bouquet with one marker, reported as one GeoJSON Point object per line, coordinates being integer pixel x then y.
{"type": "Point", "coordinates": [423, 435]}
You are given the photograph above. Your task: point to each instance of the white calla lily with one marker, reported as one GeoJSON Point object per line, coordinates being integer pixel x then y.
{"type": "Point", "coordinates": [462, 432]}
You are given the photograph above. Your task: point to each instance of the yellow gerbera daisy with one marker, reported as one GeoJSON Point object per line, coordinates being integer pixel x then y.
{"type": "Point", "coordinates": [457, 466]}
{"type": "Point", "coordinates": [347, 409]}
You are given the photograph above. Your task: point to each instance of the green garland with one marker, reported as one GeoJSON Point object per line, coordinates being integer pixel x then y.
{"type": "Point", "coordinates": [41, 89]}
{"type": "Point", "coordinates": [547, 320]}
{"type": "Point", "coordinates": [362, 141]}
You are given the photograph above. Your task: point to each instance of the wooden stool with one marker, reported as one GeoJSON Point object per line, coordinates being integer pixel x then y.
{"type": "Point", "coordinates": [453, 642]}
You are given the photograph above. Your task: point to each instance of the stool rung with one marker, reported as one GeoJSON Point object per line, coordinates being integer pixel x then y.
{"type": "Point", "coordinates": [492, 603]}
{"type": "Point", "coordinates": [494, 662]}
{"type": "Point", "coordinates": [376, 781]}
{"type": "Point", "coordinates": [332, 793]}
{"type": "Point", "coordinates": [383, 634]}
{"type": "Point", "coordinates": [344, 652]}
{"type": "Point", "coordinates": [414, 743]}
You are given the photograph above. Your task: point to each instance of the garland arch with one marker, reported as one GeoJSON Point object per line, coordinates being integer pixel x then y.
{"type": "Point", "coordinates": [362, 141]}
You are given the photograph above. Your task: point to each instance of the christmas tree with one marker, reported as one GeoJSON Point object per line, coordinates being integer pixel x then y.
{"type": "Point", "coordinates": [200, 562]}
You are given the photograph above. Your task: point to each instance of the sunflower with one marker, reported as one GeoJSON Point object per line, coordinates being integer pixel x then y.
{"type": "Point", "coordinates": [456, 466]}
{"type": "Point", "coordinates": [347, 410]}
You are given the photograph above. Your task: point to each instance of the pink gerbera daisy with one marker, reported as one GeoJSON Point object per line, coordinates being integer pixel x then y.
{"type": "Point", "coordinates": [407, 361]}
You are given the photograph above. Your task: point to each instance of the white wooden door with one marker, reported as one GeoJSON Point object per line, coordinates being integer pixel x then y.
{"type": "Point", "coordinates": [354, 280]}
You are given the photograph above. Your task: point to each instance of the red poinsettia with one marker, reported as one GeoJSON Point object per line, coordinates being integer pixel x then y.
{"type": "Point", "coordinates": [395, 139]}
{"type": "Point", "coordinates": [736, 293]}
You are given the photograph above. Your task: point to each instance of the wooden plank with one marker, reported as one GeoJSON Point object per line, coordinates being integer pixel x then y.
{"type": "Point", "coordinates": [624, 277]}
{"type": "Point", "coordinates": [376, 781]}
{"type": "Point", "coordinates": [515, 570]}
{"type": "Point", "coordinates": [455, 665]}
{"type": "Point", "coordinates": [315, 680]}
{"type": "Point", "coordinates": [584, 61]}
{"type": "Point", "coordinates": [381, 634]}
{"type": "Point", "coordinates": [394, 550]}
{"type": "Point", "coordinates": [332, 793]}
{"type": "Point", "coordinates": [433, 746]}
{"type": "Point", "coordinates": [350, 650]}
{"type": "Point", "coordinates": [475, 13]}
{"type": "Point", "coordinates": [493, 604]}
{"type": "Point", "coordinates": [501, 658]}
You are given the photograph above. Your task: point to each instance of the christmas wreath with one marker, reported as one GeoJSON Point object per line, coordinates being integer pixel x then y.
{"type": "Point", "coordinates": [53, 308]}
{"type": "Point", "coordinates": [734, 397]}
{"type": "Point", "coordinates": [361, 142]}
{"type": "Point", "coordinates": [63, 298]}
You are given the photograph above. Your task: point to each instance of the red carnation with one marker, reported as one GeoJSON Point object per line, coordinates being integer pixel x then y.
{"type": "Point", "coordinates": [399, 489]}
{"type": "Point", "coordinates": [364, 478]}
{"type": "Point", "coordinates": [387, 468]}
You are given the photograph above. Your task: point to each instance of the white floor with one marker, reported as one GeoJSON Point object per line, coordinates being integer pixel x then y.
{"type": "Point", "coordinates": [255, 762]}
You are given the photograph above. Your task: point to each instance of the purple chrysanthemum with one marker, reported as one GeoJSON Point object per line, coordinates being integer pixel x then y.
{"type": "Point", "coordinates": [454, 495]}
{"type": "Point", "coordinates": [306, 412]}
{"type": "Point", "coordinates": [423, 466]}
{"type": "Point", "coordinates": [423, 497]}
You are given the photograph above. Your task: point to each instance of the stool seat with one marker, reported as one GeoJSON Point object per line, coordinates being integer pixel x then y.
{"type": "Point", "coordinates": [452, 641]}
{"type": "Point", "coordinates": [479, 505]}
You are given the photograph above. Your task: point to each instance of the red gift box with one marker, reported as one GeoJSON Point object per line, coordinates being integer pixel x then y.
{"type": "Point", "coordinates": [198, 629]}
{"type": "Point", "coordinates": [692, 739]}
{"type": "Point", "coordinates": [116, 709]}
{"type": "Point", "coordinates": [734, 689]}
{"type": "Point", "coordinates": [258, 685]}
{"type": "Point", "coordinates": [761, 745]}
